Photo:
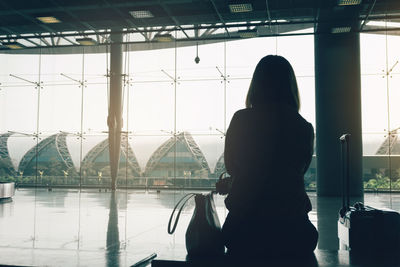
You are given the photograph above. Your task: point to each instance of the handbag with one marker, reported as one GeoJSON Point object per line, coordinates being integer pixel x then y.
{"type": "Point", "coordinates": [203, 234]}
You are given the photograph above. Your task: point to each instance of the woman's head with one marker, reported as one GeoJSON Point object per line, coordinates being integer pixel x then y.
{"type": "Point", "coordinates": [273, 82]}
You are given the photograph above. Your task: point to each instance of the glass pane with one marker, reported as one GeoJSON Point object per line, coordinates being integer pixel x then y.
{"type": "Point", "coordinates": [95, 66]}
{"type": "Point", "coordinates": [148, 151]}
{"type": "Point", "coordinates": [310, 177]}
{"type": "Point", "coordinates": [394, 100]}
{"type": "Point", "coordinates": [95, 108]}
{"type": "Point", "coordinates": [18, 146]}
{"type": "Point", "coordinates": [95, 165]}
{"type": "Point", "coordinates": [374, 103]}
{"type": "Point", "coordinates": [376, 162]}
{"type": "Point", "coordinates": [236, 93]}
{"type": "Point", "coordinates": [373, 44]}
{"type": "Point", "coordinates": [302, 63]}
{"type": "Point", "coordinates": [242, 56]}
{"type": "Point", "coordinates": [60, 108]}
{"type": "Point", "coordinates": [52, 160]}
{"type": "Point", "coordinates": [306, 87]}
{"type": "Point", "coordinates": [200, 106]}
{"type": "Point", "coordinates": [24, 66]}
{"type": "Point", "coordinates": [151, 108]}
{"type": "Point", "coordinates": [212, 148]}
{"type": "Point", "coordinates": [393, 54]}
{"type": "Point", "coordinates": [61, 69]}
{"type": "Point", "coordinates": [95, 93]}
{"type": "Point", "coordinates": [18, 110]}
{"type": "Point", "coordinates": [152, 65]}
{"type": "Point", "coordinates": [96, 162]}
{"type": "Point", "coordinates": [210, 66]}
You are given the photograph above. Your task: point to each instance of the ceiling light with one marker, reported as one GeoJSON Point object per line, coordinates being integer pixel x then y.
{"type": "Point", "coordinates": [349, 2]}
{"type": "Point", "coordinates": [141, 14]}
{"type": "Point", "coordinates": [48, 20]}
{"type": "Point", "coordinates": [163, 37]}
{"type": "Point", "coordinates": [13, 45]}
{"type": "Point", "coordinates": [341, 29]}
{"type": "Point", "coordinates": [86, 41]}
{"type": "Point", "coordinates": [248, 33]}
{"type": "Point", "coordinates": [240, 7]}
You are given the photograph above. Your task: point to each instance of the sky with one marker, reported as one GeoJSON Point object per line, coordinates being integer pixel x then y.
{"type": "Point", "coordinates": [201, 101]}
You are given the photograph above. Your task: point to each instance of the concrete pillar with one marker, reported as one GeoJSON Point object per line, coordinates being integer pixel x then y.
{"type": "Point", "coordinates": [338, 110]}
{"type": "Point", "coordinates": [114, 119]}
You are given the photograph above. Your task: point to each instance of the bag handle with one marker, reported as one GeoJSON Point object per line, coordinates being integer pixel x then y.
{"type": "Point", "coordinates": [222, 175]}
{"type": "Point", "coordinates": [183, 200]}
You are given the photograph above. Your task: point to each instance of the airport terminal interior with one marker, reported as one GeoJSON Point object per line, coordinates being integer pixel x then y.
{"type": "Point", "coordinates": [112, 110]}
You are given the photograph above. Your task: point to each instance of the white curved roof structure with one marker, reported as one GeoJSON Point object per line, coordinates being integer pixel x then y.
{"type": "Point", "coordinates": [53, 146]}
{"type": "Point", "coordinates": [220, 167]}
{"type": "Point", "coordinates": [101, 150]}
{"type": "Point", "coordinates": [186, 140]}
{"type": "Point", "coordinates": [391, 145]}
{"type": "Point", "coordinates": [6, 163]}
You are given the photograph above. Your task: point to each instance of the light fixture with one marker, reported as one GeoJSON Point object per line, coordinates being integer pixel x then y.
{"type": "Point", "coordinates": [163, 37]}
{"type": "Point", "coordinates": [349, 2]}
{"type": "Point", "coordinates": [248, 33]}
{"type": "Point", "coordinates": [341, 29]}
{"type": "Point", "coordinates": [235, 7]}
{"type": "Point", "coordinates": [13, 45]}
{"type": "Point", "coordinates": [141, 14]}
{"type": "Point", "coordinates": [86, 41]}
{"type": "Point", "coordinates": [49, 19]}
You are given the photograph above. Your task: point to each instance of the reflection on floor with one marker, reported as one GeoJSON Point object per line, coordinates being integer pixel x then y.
{"type": "Point", "coordinates": [86, 228]}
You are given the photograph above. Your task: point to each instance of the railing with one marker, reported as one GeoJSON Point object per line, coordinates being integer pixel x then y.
{"type": "Point", "coordinates": [122, 182]}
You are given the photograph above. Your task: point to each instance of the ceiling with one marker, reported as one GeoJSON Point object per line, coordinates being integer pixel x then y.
{"type": "Point", "coordinates": [185, 20]}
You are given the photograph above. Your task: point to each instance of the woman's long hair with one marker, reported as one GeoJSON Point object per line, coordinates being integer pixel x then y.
{"type": "Point", "coordinates": [273, 82]}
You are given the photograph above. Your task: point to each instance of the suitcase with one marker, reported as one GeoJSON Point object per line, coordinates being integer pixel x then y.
{"type": "Point", "coordinates": [362, 228]}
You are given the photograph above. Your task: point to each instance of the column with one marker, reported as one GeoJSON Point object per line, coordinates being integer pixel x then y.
{"type": "Point", "coordinates": [338, 110]}
{"type": "Point", "coordinates": [114, 119]}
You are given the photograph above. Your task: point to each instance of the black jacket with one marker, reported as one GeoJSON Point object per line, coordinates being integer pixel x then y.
{"type": "Point", "coordinates": [267, 152]}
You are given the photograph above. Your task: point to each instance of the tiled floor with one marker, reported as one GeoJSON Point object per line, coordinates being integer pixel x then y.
{"type": "Point", "coordinates": [92, 228]}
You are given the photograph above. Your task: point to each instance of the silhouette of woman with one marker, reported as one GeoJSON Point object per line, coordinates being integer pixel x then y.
{"type": "Point", "coordinates": [268, 148]}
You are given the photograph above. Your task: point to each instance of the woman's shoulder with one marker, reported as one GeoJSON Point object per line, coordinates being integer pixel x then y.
{"type": "Point", "coordinates": [287, 115]}
{"type": "Point", "coordinates": [243, 113]}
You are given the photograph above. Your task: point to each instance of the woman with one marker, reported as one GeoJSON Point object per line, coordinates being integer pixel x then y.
{"type": "Point", "coordinates": [268, 148]}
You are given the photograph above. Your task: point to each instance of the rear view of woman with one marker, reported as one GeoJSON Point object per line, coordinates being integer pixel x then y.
{"type": "Point", "coordinates": [268, 148]}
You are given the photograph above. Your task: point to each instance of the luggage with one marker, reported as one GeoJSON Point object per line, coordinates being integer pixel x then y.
{"type": "Point", "coordinates": [362, 228]}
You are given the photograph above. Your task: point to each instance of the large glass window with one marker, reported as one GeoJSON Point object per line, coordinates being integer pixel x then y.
{"type": "Point", "coordinates": [380, 96]}
{"type": "Point", "coordinates": [54, 133]}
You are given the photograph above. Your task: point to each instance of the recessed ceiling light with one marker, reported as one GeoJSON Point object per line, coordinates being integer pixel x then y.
{"type": "Point", "coordinates": [49, 20]}
{"type": "Point", "coordinates": [141, 14]}
{"type": "Point", "coordinates": [349, 2]}
{"type": "Point", "coordinates": [13, 45]}
{"type": "Point", "coordinates": [86, 41]}
{"type": "Point", "coordinates": [163, 37]}
{"type": "Point", "coordinates": [341, 29]}
{"type": "Point", "coordinates": [240, 7]}
{"type": "Point", "coordinates": [248, 33]}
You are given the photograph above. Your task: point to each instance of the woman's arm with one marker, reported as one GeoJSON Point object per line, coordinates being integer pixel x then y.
{"type": "Point", "coordinates": [231, 144]}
